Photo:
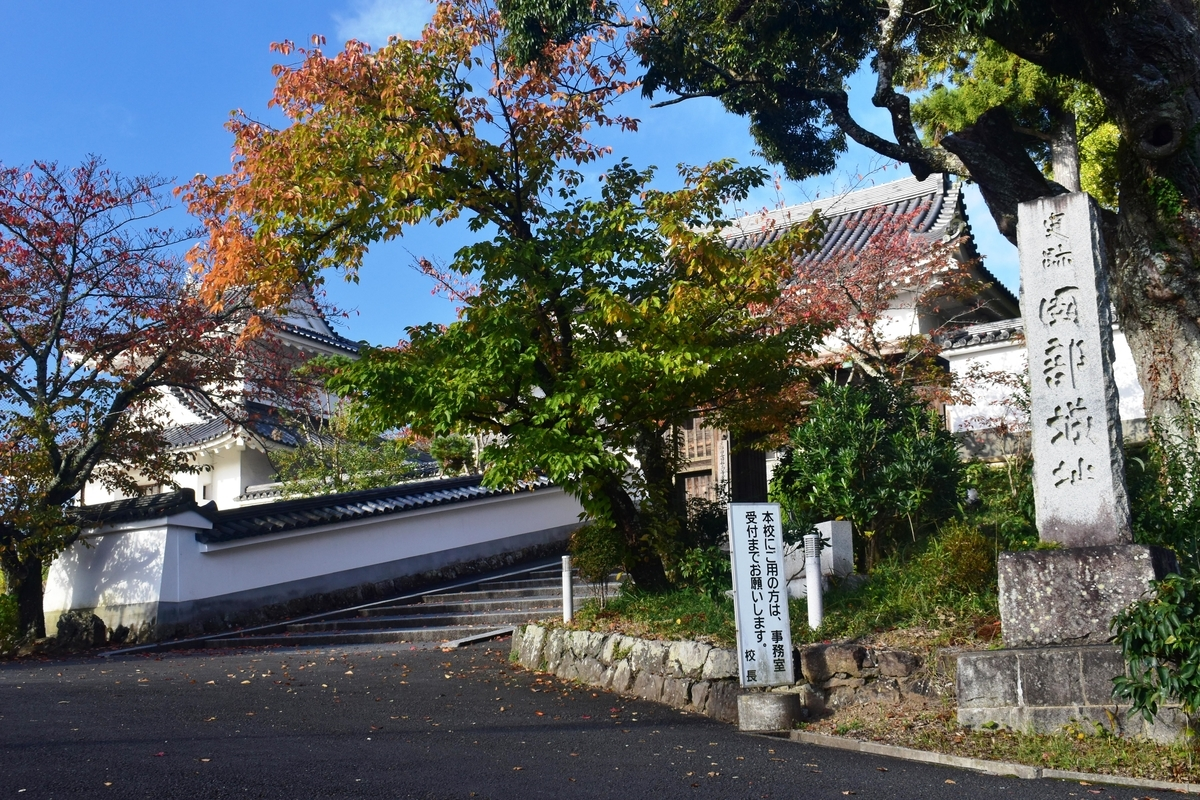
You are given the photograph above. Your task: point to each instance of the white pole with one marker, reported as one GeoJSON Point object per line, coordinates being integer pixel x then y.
{"type": "Point", "coordinates": [568, 593]}
{"type": "Point", "coordinates": [812, 575]}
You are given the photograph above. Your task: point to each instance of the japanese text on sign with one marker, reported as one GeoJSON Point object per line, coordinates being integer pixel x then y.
{"type": "Point", "coordinates": [760, 594]}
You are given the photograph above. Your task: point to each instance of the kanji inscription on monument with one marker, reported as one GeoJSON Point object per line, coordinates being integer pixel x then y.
{"type": "Point", "coordinates": [1074, 415]}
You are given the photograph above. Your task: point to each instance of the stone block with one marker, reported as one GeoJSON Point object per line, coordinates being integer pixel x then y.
{"type": "Point", "coordinates": [834, 683]}
{"type": "Point", "coordinates": [585, 644]}
{"type": "Point", "coordinates": [885, 690]}
{"type": "Point", "coordinates": [837, 552]}
{"type": "Point", "coordinates": [768, 711]}
{"type": "Point", "coordinates": [896, 663]}
{"type": "Point", "coordinates": [648, 686]}
{"type": "Point", "coordinates": [686, 659]}
{"type": "Point", "coordinates": [622, 677]}
{"type": "Point", "coordinates": [699, 696]}
{"type": "Point", "coordinates": [1101, 664]}
{"type": "Point", "coordinates": [1069, 597]}
{"type": "Point", "coordinates": [589, 670]}
{"type": "Point", "coordinates": [845, 659]}
{"type": "Point", "coordinates": [723, 701]}
{"type": "Point", "coordinates": [811, 698]}
{"type": "Point", "coordinates": [813, 664]}
{"type": "Point", "coordinates": [528, 644]}
{"type": "Point", "coordinates": [554, 649]}
{"type": "Point", "coordinates": [80, 629]}
{"type": "Point", "coordinates": [987, 679]}
{"type": "Point", "coordinates": [841, 696]}
{"type": "Point", "coordinates": [648, 657]}
{"type": "Point", "coordinates": [1050, 676]}
{"type": "Point", "coordinates": [676, 692]}
{"type": "Point", "coordinates": [721, 663]}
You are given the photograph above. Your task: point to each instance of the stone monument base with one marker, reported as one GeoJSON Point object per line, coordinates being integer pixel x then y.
{"type": "Point", "coordinates": [1041, 689]}
{"type": "Point", "coordinates": [1070, 596]}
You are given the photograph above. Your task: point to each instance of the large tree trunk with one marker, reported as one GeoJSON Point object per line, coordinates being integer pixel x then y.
{"type": "Point", "coordinates": [644, 564]}
{"type": "Point", "coordinates": [24, 578]}
{"type": "Point", "coordinates": [1144, 58]}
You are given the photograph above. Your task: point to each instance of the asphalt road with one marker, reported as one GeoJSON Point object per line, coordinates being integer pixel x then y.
{"type": "Point", "coordinates": [384, 722]}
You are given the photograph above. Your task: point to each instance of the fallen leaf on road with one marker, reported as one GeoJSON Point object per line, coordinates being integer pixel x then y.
{"type": "Point", "coordinates": [540, 713]}
{"type": "Point", "coordinates": [849, 792]}
{"type": "Point", "coordinates": [949, 781]}
{"type": "Point", "coordinates": [517, 769]}
{"type": "Point", "coordinates": [348, 672]}
{"type": "Point", "coordinates": [245, 682]}
{"type": "Point", "coordinates": [206, 760]}
{"type": "Point", "coordinates": [881, 769]}
{"type": "Point", "coordinates": [211, 719]}
{"type": "Point", "coordinates": [108, 783]}
{"type": "Point", "coordinates": [159, 754]}
{"type": "Point", "coordinates": [210, 683]}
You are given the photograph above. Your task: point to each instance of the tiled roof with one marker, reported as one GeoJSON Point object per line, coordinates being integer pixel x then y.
{"type": "Point", "coordinates": [854, 217]}
{"type": "Point", "coordinates": [136, 509]}
{"type": "Point", "coordinates": [340, 342]}
{"type": "Point", "coordinates": [935, 204]}
{"type": "Point", "coordinates": [289, 515]}
{"type": "Point", "coordinates": [986, 333]}
{"type": "Point", "coordinates": [261, 422]}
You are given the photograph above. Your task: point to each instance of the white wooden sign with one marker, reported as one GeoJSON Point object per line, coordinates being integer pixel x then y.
{"type": "Point", "coordinates": [760, 598]}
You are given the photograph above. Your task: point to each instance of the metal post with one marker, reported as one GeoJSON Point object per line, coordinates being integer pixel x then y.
{"type": "Point", "coordinates": [812, 575]}
{"type": "Point", "coordinates": [568, 591]}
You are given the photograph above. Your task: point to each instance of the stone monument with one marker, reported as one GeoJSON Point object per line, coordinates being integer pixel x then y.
{"type": "Point", "coordinates": [1056, 605]}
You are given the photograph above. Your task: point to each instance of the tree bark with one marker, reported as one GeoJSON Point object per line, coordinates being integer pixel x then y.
{"type": "Point", "coordinates": [1064, 152]}
{"type": "Point", "coordinates": [643, 564]}
{"type": "Point", "coordinates": [1144, 59]}
{"type": "Point", "coordinates": [24, 578]}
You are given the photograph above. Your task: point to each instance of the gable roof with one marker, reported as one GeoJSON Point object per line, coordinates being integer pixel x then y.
{"type": "Point", "coordinates": [936, 205]}
{"type": "Point", "coordinates": [307, 512]}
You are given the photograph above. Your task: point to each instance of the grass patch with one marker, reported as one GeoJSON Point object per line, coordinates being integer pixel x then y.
{"type": "Point", "coordinates": [678, 614]}
{"type": "Point", "coordinates": [1079, 747]}
{"type": "Point", "coordinates": [945, 584]}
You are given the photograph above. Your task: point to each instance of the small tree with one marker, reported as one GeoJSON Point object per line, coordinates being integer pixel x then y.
{"type": "Point", "coordinates": [873, 454]}
{"type": "Point", "coordinates": [99, 317]}
{"type": "Point", "coordinates": [334, 455]}
{"type": "Point", "coordinates": [454, 453]}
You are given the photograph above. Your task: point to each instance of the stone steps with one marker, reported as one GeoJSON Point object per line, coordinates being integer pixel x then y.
{"type": "Point", "coordinates": [492, 605]}
{"type": "Point", "coordinates": [493, 619]}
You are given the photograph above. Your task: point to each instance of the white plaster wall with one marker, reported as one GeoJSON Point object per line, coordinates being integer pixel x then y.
{"type": "Point", "coordinates": [225, 479]}
{"type": "Point", "coordinates": [1009, 356]}
{"type": "Point", "coordinates": [194, 571]}
{"type": "Point", "coordinates": [125, 573]}
{"type": "Point", "coordinates": [119, 574]}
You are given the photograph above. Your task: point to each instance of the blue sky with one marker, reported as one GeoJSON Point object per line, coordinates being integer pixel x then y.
{"type": "Point", "coordinates": [149, 86]}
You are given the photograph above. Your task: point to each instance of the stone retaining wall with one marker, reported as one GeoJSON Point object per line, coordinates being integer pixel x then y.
{"type": "Point", "coordinates": [689, 675]}
{"type": "Point", "coordinates": [702, 678]}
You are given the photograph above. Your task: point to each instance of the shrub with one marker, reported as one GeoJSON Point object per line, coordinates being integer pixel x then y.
{"type": "Point", "coordinates": [1164, 490]}
{"type": "Point", "coordinates": [1160, 639]}
{"type": "Point", "coordinates": [874, 454]}
{"type": "Point", "coordinates": [596, 551]}
{"type": "Point", "coordinates": [707, 570]}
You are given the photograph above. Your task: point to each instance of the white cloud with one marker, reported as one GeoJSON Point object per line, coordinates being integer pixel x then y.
{"type": "Point", "coordinates": [373, 21]}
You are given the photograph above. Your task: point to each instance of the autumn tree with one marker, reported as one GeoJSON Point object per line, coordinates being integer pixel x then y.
{"type": "Point", "coordinates": [786, 67]}
{"type": "Point", "coordinates": [890, 291]}
{"type": "Point", "coordinates": [603, 314]}
{"type": "Point", "coordinates": [100, 316]}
